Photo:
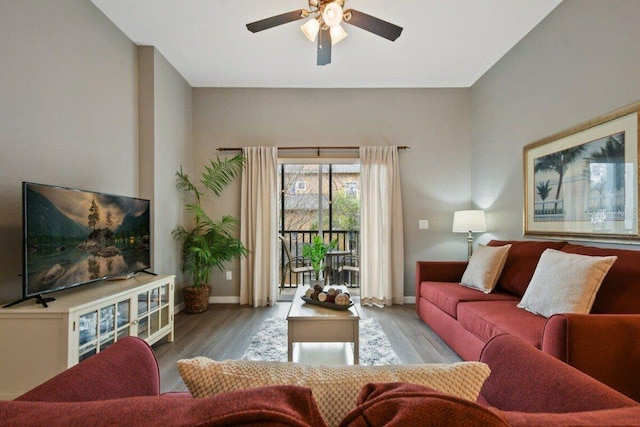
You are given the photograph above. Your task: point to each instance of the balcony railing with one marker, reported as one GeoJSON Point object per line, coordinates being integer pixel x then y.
{"type": "Point", "coordinates": [347, 240]}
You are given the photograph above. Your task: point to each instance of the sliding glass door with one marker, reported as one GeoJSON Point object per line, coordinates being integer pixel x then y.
{"type": "Point", "coordinates": [323, 199]}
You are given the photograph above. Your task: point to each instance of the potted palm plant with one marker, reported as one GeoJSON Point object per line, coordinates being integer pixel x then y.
{"type": "Point", "coordinates": [316, 251]}
{"type": "Point", "coordinates": [209, 243]}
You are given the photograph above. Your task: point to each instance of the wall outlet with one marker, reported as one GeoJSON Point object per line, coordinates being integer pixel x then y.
{"type": "Point", "coordinates": [229, 275]}
{"type": "Point", "coordinates": [423, 224]}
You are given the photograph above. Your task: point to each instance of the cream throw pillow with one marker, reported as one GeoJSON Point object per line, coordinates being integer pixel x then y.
{"type": "Point", "coordinates": [335, 388]}
{"type": "Point", "coordinates": [565, 283]}
{"type": "Point", "coordinates": [485, 267]}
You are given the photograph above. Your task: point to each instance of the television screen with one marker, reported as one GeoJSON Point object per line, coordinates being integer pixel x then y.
{"type": "Point", "coordinates": [72, 237]}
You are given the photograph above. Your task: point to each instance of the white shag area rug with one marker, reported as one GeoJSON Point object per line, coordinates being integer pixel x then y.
{"type": "Point", "coordinates": [270, 343]}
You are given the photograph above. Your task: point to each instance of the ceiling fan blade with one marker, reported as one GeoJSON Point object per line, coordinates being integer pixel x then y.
{"type": "Point", "coordinates": [372, 24]}
{"type": "Point", "coordinates": [324, 47]}
{"type": "Point", "coordinates": [274, 21]}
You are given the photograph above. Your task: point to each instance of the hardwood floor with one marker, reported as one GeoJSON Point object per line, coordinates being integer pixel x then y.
{"type": "Point", "coordinates": [225, 331]}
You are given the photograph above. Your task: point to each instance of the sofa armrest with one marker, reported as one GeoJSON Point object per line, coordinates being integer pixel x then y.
{"type": "Point", "coordinates": [604, 346]}
{"type": "Point", "coordinates": [128, 368]}
{"type": "Point", "coordinates": [525, 379]}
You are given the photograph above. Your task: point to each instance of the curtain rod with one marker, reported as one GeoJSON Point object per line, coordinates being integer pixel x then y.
{"type": "Point", "coordinates": [401, 147]}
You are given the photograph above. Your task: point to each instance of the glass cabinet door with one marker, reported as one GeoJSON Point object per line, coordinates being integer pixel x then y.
{"type": "Point", "coordinates": [153, 310]}
{"type": "Point", "coordinates": [87, 335]}
{"type": "Point", "coordinates": [100, 328]}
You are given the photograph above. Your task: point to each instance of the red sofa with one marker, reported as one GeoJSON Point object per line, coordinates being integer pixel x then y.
{"type": "Point", "coordinates": [603, 344]}
{"type": "Point", "coordinates": [120, 386]}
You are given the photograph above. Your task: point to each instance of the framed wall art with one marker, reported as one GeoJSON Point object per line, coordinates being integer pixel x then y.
{"type": "Point", "coordinates": [582, 183]}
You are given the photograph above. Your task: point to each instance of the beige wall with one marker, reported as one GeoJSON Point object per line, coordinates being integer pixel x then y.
{"type": "Point", "coordinates": [68, 111]}
{"type": "Point", "coordinates": [435, 173]}
{"type": "Point", "coordinates": [69, 116]}
{"type": "Point", "coordinates": [580, 62]}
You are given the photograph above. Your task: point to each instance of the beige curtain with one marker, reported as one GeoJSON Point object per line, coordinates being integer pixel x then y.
{"type": "Point", "coordinates": [258, 221]}
{"type": "Point", "coordinates": [382, 254]}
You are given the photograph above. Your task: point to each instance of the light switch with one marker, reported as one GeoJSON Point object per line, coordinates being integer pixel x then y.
{"type": "Point", "coordinates": [423, 224]}
{"type": "Point", "coordinates": [229, 275]}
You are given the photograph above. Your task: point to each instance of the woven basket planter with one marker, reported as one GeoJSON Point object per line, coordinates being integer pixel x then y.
{"type": "Point", "coordinates": [196, 299]}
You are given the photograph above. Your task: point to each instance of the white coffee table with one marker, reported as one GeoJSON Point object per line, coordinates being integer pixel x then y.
{"type": "Point", "coordinates": [309, 323]}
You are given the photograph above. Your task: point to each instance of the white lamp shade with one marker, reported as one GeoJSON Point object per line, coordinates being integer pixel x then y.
{"type": "Point", "coordinates": [332, 14]}
{"type": "Point", "coordinates": [466, 221]}
{"type": "Point", "coordinates": [337, 34]}
{"type": "Point", "coordinates": [310, 29]}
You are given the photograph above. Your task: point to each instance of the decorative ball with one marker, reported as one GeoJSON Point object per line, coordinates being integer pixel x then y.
{"type": "Point", "coordinates": [322, 297]}
{"type": "Point", "coordinates": [342, 299]}
{"type": "Point", "coordinates": [318, 288]}
{"type": "Point", "coordinates": [331, 298]}
{"type": "Point", "coordinates": [315, 295]}
{"type": "Point", "coordinates": [308, 293]}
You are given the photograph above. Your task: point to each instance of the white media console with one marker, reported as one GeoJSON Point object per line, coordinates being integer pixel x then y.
{"type": "Point", "coordinates": [37, 343]}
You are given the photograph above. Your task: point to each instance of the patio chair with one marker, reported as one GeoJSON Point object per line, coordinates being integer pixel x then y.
{"type": "Point", "coordinates": [292, 264]}
{"type": "Point", "coordinates": [349, 265]}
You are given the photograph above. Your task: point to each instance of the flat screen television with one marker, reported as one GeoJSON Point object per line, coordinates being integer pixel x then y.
{"type": "Point", "coordinates": [72, 237]}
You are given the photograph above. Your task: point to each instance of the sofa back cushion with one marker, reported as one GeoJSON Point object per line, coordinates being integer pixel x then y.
{"type": "Point", "coordinates": [521, 263]}
{"type": "Point", "coordinates": [620, 289]}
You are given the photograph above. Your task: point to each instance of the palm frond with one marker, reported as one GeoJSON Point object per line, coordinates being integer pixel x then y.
{"type": "Point", "coordinates": [184, 183]}
{"type": "Point", "coordinates": [221, 172]}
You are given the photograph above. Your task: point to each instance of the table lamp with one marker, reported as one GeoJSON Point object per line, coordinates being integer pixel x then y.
{"type": "Point", "coordinates": [471, 221]}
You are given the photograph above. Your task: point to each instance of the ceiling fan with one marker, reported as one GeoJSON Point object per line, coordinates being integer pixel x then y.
{"type": "Point", "coordinates": [326, 17]}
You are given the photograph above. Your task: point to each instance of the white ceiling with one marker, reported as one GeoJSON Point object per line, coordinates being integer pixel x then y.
{"type": "Point", "coordinates": [445, 43]}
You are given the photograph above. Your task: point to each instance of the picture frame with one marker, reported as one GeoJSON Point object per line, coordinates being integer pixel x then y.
{"type": "Point", "coordinates": [582, 183]}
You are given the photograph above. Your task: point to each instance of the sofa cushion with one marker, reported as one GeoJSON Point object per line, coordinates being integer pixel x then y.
{"type": "Point", "coordinates": [446, 295]}
{"type": "Point", "coordinates": [521, 263]}
{"type": "Point", "coordinates": [620, 289]}
{"type": "Point", "coordinates": [488, 319]}
{"type": "Point", "coordinates": [272, 406]}
{"type": "Point", "coordinates": [335, 388]}
{"type": "Point", "coordinates": [485, 267]}
{"type": "Point", "coordinates": [401, 404]}
{"type": "Point", "coordinates": [565, 283]}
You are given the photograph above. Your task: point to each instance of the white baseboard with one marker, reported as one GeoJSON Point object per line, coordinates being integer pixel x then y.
{"type": "Point", "coordinates": [178, 308]}
{"type": "Point", "coordinates": [410, 300]}
{"type": "Point", "coordinates": [224, 300]}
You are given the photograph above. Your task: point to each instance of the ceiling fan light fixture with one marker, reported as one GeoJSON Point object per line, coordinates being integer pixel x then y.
{"type": "Point", "coordinates": [337, 34]}
{"type": "Point", "coordinates": [310, 29]}
{"type": "Point", "coordinates": [332, 14]}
